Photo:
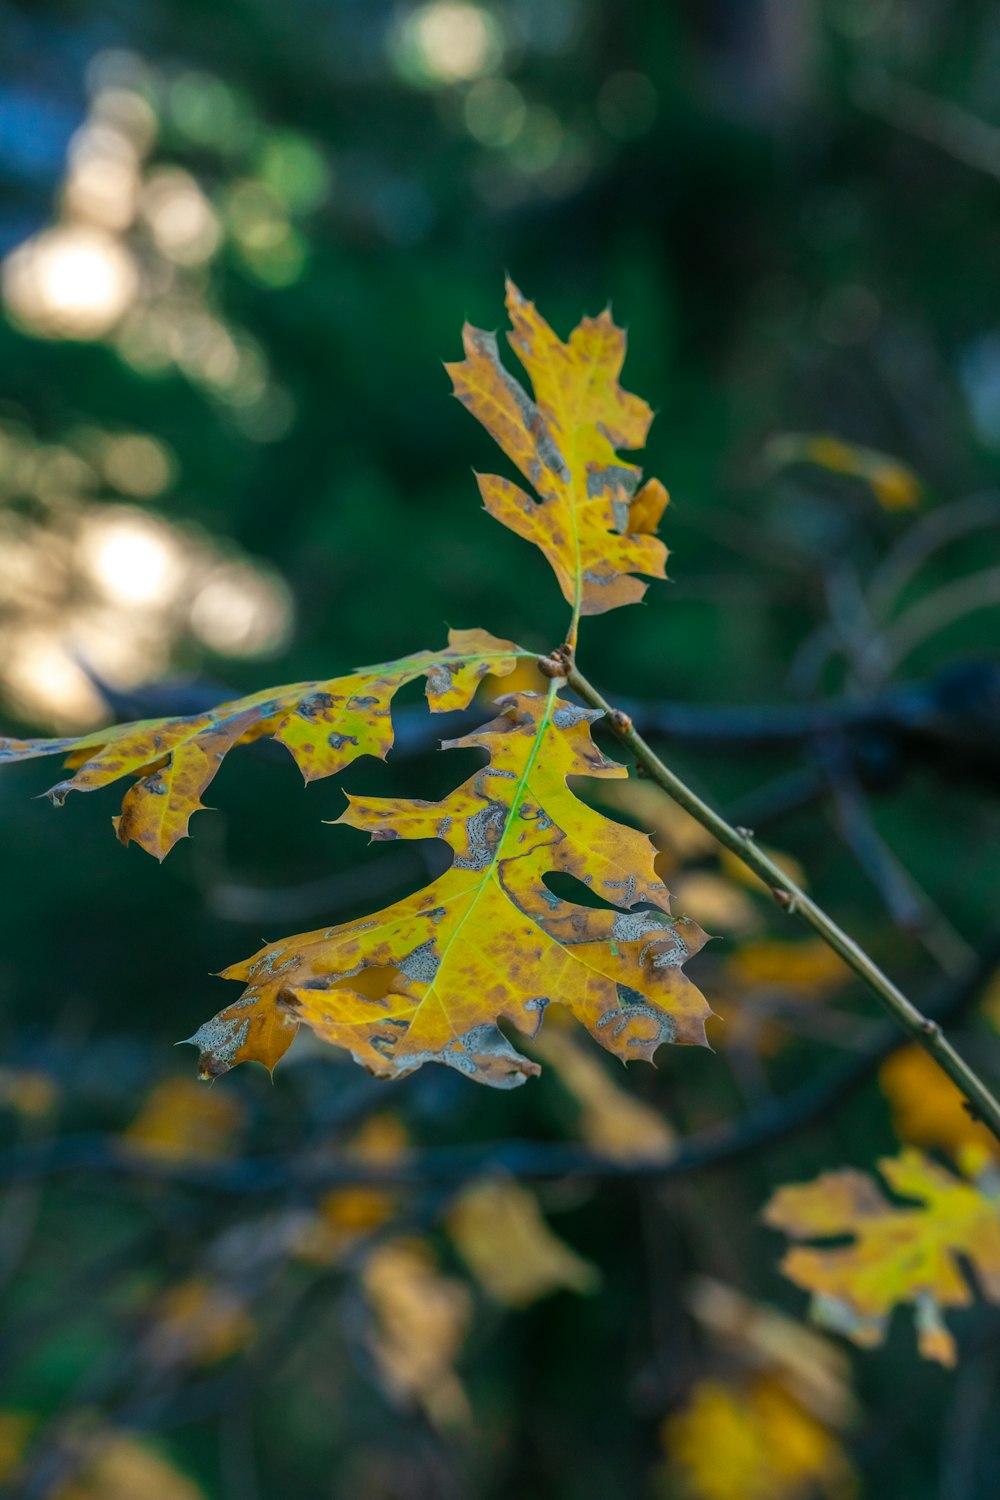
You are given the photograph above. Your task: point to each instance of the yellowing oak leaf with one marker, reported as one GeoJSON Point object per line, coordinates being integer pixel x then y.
{"type": "Point", "coordinates": [592, 521]}
{"type": "Point", "coordinates": [420, 1319]}
{"type": "Point", "coordinates": [198, 1322]}
{"type": "Point", "coordinates": [928, 1110]}
{"type": "Point", "coordinates": [613, 1121]}
{"type": "Point", "coordinates": [488, 940]}
{"type": "Point", "coordinates": [114, 1465]}
{"type": "Point", "coordinates": [753, 1442]}
{"type": "Point", "coordinates": [325, 725]}
{"type": "Point", "coordinates": [899, 1255]}
{"type": "Point", "coordinates": [499, 1232]}
{"type": "Point", "coordinates": [180, 1121]}
{"type": "Point", "coordinates": [347, 1215]}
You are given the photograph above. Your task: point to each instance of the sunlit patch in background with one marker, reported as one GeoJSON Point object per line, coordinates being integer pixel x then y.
{"type": "Point", "coordinates": [70, 282]}
{"type": "Point", "coordinates": [94, 590]}
{"type": "Point", "coordinates": [494, 112]}
{"type": "Point", "coordinates": [174, 184]}
{"type": "Point", "coordinates": [180, 217]}
{"type": "Point", "coordinates": [129, 557]}
{"type": "Point", "coordinates": [141, 242]}
{"type": "Point", "coordinates": [240, 611]}
{"type": "Point", "coordinates": [447, 42]}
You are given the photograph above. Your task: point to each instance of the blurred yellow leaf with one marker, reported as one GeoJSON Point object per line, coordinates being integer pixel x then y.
{"type": "Point", "coordinates": [767, 1341]}
{"type": "Point", "coordinates": [499, 1231]}
{"type": "Point", "coordinates": [612, 1121]}
{"type": "Point", "coordinates": [420, 1321]}
{"type": "Point", "coordinates": [182, 1119]}
{"type": "Point", "coordinates": [897, 1255]}
{"type": "Point", "coordinates": [16, 1428]}
{"type": "Point", "coordinates": [732, 1442]}
{"type": "Point", "coordinates": [928, 1110]}
{"type": "Point", "coordinates": [733, 866]}
{"type": "Point", "coordinates": [674, 832]}
{"type": "Point", "coordinates": [198, 1322]}
{"type": "Point", "coordinates": [348, 1214]}
{"type": "Point", "coordinates": [715, 902]}
{"type": "Point", "coordinates": [120, 1467]}
{"type": "Point", "coordinates": [807, 968]}
{"type": "Point", "coordinates": [894, 486]}
{"type": "Point", "coordinates": [29, 1092]}
{"type": "Point", "coordinates": [990, 1004]}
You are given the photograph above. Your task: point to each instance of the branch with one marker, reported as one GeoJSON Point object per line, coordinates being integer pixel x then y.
{"type": "Point", "coordinates": [311, 1171]}
{"type": "Point", "coordinates": [925, 1032]}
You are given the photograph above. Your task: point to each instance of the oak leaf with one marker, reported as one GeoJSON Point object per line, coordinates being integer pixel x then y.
{"type": "Point", "coordinates": [488, 940]}
{"type": "Point", "coordinates": [929, 1110]}
{"type": "Point", "coordinates": [16, 1428]}
{"type": "Point", "coordinates": [325, 726]}
{"type": "Point", "coordinates": [758, 1338]}
{"type": "Point", "coordinates": [114, 1465]}
{"type": "Point", "coordinates": [592, 521]}
{"type": "Point", "coordinates": [179, 1121]}
{"type": "Point", "coordinates": [348, 1215]}
{"type": "Point", "coordinates": [894, 486]}
{"type": "Point", "coordinates": [612, 1121]}
{"type": "Point", "coordinates": [420, 1320]}
{"type": "Point", "coordinates": [199, 1321]}
{"type": "Point", "coordinates": [499, 1232]}
{"type": "Point", "coordinates": [898, 1255]}
{"type": "Point", "coordinates": [754, 1442]}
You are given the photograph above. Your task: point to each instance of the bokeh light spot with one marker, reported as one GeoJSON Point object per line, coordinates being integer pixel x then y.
{"type": "Point", "coordinates": [494, 112]}
{"type": "Point", "coordinates": [446, 42]}
{"type": "Point", "coordinates": [70, 282]}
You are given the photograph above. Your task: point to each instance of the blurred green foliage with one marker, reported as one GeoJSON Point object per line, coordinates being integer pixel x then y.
{"type": "Point", "coordinates": [792, 206]}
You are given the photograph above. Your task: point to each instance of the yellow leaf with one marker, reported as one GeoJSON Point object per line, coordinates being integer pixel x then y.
{"type": "Point", "coordinates": [119, 1467]}
{"type": "Point", "coordinates": [809, 967]}
{"type": "Point", "coordinates": [346, 1215]}
{"type": "Point", "coordinates": [928, 1110]}
{"type": "Point", "coordinates": [613, 1122]}
{"type": "Point", "coordinates": [16, 1428]}
{"type": "Point", "coordinates": [894, 486]}
{"type": "Point", "coordinates": [198, 1322]}
{"type": "Point", "coordinates": [731, 1442]}
{"type": "Point", "coordinates": [32, 1094]}
{"type": "Point", "coordinates": [180, 1120]}
{"type": "Point", "coordinates": [810, 1366]}
{"type": "Point", "coordinates": [715, 903]}
{"type": "Point", "coordinates": [990, 1004]}
{"type": "Point", "coordinates": [733, 866]}
{"type": "Point", "coordinates": [524, 678]}
{"type": "Point", "coordinates": [488, 940]}
{"type": "Point", "coordinates": [421, 1319]}
{"type": "Point", "coordinates": [674, 832]}
{"type": "Point", "coordinates": [592, 521]}
{"type": "Point", "coordinates": [898, 1255]}
{"type": "Point", "coordinates": [499, 1232]}
{"type": "Point", "coordinates": [325, 725]}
